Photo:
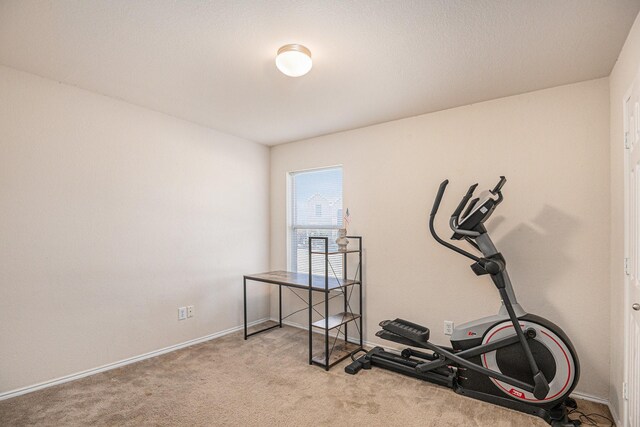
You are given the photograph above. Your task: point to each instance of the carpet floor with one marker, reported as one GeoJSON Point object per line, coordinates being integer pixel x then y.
{"type": "Point", "coordinates": [264, 381]}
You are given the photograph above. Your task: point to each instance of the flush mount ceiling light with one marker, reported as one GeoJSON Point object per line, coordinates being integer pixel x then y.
{"type": "Point", "coordinates": [294, 60]}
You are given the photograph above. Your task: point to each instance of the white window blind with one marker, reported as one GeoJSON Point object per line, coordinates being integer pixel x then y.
{"type": "Point", "coordinates": [315, 207]}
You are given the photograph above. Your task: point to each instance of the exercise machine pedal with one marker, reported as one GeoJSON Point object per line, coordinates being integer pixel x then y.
{"type": "Point", "coordinates": [406, 329]}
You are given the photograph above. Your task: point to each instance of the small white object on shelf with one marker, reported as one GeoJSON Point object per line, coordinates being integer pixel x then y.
{"type": "Point", "coordinates": [342, 240]}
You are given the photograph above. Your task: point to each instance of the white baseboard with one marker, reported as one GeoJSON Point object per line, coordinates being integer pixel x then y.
{"type": "Point", "coordinates": [114, 365]}
{"type": "Point", "coordinates": [590, 398]}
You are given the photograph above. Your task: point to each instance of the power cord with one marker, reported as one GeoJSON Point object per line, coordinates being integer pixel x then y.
{"type": "Point", "coordinates": [590, 419]}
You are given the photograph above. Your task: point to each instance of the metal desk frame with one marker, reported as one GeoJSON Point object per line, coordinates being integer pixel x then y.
{"type": "Point", "coordinates": [317, 283]}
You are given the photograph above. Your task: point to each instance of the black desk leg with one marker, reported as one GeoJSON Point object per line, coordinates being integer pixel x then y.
{"type": "Point", "coordinates": [280, 304]}
{"type": "Point", "coordinates": [361, 314]}
{"type": "Point", "coordinates": [346, 300]}
{"type": "Point", "coordinates": [244, 287]}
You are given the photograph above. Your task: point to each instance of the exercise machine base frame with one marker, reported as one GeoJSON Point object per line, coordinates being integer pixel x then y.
{"type": "Point", "coordinates": [447, 377]}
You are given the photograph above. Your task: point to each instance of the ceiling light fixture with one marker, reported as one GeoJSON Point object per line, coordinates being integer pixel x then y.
{"type": "Point", "coordinates": [294, 60]}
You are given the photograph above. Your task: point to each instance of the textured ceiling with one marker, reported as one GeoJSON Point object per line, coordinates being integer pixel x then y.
{"type": "Point", "coordinates": [212, 62]}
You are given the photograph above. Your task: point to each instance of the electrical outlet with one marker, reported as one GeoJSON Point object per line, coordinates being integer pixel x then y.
{"type": "Point", "coordinates": [189, 311]}
{"type": "Point", "coordinates": [448, 327]}
{"type": "Point", "coordinates": [182, 313]}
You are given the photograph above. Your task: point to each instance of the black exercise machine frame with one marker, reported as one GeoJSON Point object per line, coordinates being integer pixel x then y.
{"type": "Point", "coordinates": [494, 266]}
{"type": "Point", "coordinates": [443, 366]}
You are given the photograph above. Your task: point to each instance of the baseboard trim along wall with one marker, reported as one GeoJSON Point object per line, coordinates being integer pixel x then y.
{"type": "Point", "coordinates": [134, 359]}
{"type": "Point", "coordinates": [596, 399]}
{"type": "Point", "coordinates": [591, 398]}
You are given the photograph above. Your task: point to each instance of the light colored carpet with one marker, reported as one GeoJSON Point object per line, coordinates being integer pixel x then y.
{"type": "Point", "coordinates": [264, 381]}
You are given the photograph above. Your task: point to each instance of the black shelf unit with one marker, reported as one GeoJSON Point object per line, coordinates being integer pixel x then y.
{"type": "Point", "coordinates": [337, 351]}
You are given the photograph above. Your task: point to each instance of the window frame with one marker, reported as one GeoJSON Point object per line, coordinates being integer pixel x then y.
{"type": "Point", "coordinates": [290, 208]}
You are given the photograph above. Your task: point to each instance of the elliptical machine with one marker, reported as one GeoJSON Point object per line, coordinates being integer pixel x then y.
{"type": "Point", "coordinates": [513, 359]}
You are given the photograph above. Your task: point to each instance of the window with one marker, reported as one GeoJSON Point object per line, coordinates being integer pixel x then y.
{"type": "Point", "coordinates": [315, 209]}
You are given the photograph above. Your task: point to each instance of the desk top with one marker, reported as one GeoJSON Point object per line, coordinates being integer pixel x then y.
{"type": "Point", "coordinates": [299, 280]}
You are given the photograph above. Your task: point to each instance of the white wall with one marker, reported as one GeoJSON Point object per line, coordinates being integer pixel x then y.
{"type": "Point", "coordinates": [626, 69]}
{"type": "Point", "coordinates": [553, 226]}
{"type": "Point", "coordinates": [111, 217]}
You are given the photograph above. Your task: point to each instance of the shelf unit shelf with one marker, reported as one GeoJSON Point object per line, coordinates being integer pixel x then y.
{"type": "Point", "coordinates": [335, 252]}
{"type": "Point", "coordinates": [340, 352]}
{"type": "Point", "coordinates": [336, 320]}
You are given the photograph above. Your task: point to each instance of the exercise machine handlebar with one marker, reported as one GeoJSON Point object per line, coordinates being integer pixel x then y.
{"type": "Point", "coordinates": [436, 203]}
{"type": "Point", "coordinates": [464, 201]}
{"type": "Point", "coordinates": [434, 211]}
{"type": "Point", "coordinates": [499, 185]}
